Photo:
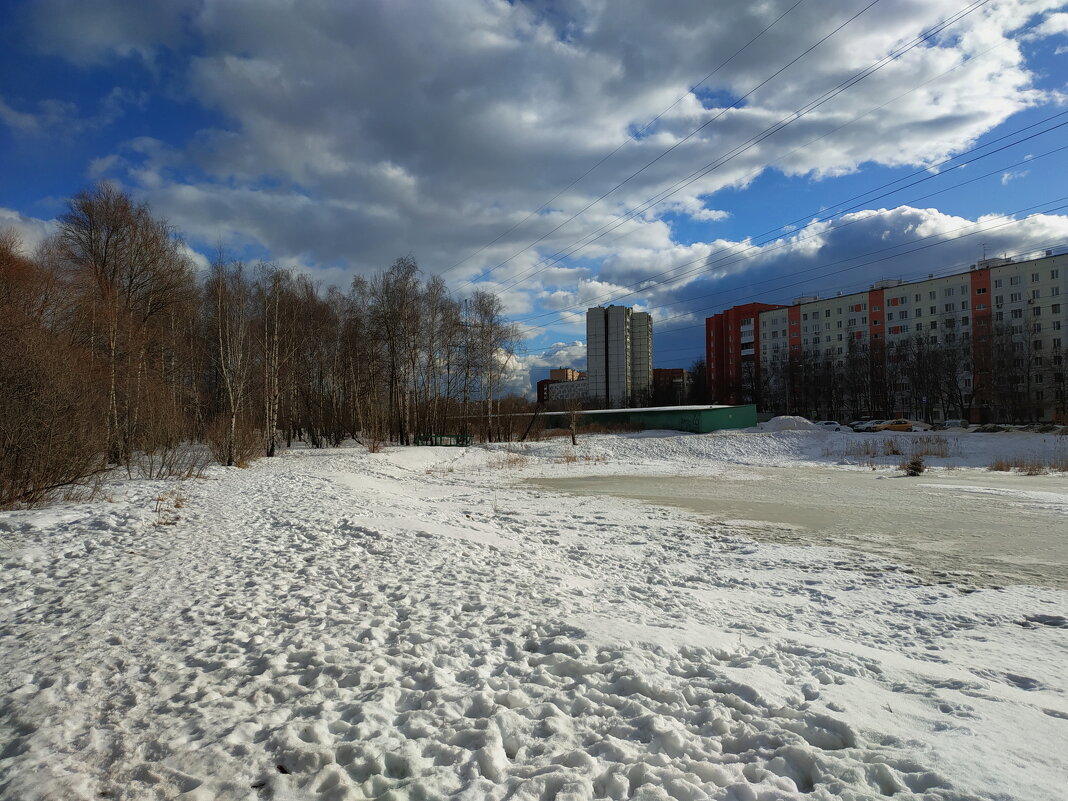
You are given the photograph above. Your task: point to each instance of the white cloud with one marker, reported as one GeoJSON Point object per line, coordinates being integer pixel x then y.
{"type": "Point", "coordinates": [1053, 25]}
{"type": "Point", "coordinates": [1012, 175]}
{"type": "Point", "coordinates": [31, 231]}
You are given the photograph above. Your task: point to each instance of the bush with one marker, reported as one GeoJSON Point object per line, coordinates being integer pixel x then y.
{"type": "Point", "coordinates": [914, 466]}
{"type": "Point", "coordinates": [51, 420]}
{"type": "Point", "coordinates": [240, 449]}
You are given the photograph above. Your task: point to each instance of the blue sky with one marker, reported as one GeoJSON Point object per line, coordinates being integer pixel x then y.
{"type": "Point", "coordinates": [334, 137]}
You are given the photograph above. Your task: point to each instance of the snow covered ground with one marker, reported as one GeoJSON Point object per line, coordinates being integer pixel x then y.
{"type": "Point", "coordinates": [420, 624]}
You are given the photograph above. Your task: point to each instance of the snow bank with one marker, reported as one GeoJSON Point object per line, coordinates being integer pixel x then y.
{"type": "Point", "coordinates": [788, 423]}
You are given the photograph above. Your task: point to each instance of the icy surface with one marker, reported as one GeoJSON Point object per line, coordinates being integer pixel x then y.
{"type": "Point", "coordinates": [413, 624]}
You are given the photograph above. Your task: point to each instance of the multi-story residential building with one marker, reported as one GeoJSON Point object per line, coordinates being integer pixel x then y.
{"type": "Point", "coordinates": [732, 339]}
{"type": "Point", "coordinates": [619, 356]}
{"type": "Point", "coordinates": [986, 344]}
{"type": "Point", "coordinates": [671, 386]}
{"type": "Point", "coordinates": [564, 391]}
{"type": "Point", "coordinates": [566, 374]}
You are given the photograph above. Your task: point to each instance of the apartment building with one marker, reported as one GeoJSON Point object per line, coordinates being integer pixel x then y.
{"type": "Point", "coordinates": [619, 356]}
{"type": "Point", "coordinates": [732, 343]}
{"type": "Point", "coordinates": [986, 343]}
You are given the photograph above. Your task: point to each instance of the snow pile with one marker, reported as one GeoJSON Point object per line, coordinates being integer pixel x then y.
{"type": "Point", "coordinates": [341, 625]}
{"type": "Point", "coordinates": [788, 423]}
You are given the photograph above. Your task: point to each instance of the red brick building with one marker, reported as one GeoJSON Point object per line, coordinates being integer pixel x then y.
{"type": "Point", "coordinates": [732, 352]}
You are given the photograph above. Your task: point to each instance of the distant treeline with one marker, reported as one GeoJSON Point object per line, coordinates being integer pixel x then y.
{"type": "Point", "coordinates": [118, 352]}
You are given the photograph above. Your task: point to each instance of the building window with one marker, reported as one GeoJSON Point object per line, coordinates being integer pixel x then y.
{"type": "Point", "coordinates": [1054, 274]}
{"type": "Point", "coordinates": [827, 313]}
{"type": "Point", "coordinates": [999, 316]}
{"type": "Point", "coordinates": [964, 305]}
{"type": "Point", "coordinates": [948, 292]}
{"type": "Point", "coordinates": [980, 306]}
{"type": "Point", "coordinates": [934, 310]}
{"type": "Point", "coordinates": [963, 320]}
{"type": "Point", "coordinates": [1056, 308]}
{"type": "Point", "coordinates": [1055, 290]}
{"type": "Point", "coordinates": [1036, 294]}
{"type": "Point", "coordinates": [1017, 314]}
{"type": "Point", "coordinates": [999, 299]}
{"type": "Point", "coordinates": [1015, 297]}
{"type": "Point", "coordinates": [997, 283]}
{"type": "Point", "coordinates": [889, 315]}
{"type": "Point", "coordinates": [980, 290]}
{"type": "Point", "coordinates": [919, 312]}
{"type": "Point", "coordinates": [949, 307]}
{"type": "Point", "coordinates": [1034, 278]}
{"type": "Point", "coordinates": [1036, 311]}
{"type": "Point", "coordinates": [804, 316]}
{"type": "Point", "coordinates": [933, 324]}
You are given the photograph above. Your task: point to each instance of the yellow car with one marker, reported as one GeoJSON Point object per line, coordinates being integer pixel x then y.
{"type": "Point", "coordinates": [894, 425]}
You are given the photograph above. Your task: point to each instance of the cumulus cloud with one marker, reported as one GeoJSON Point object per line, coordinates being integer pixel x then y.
{"type": "Point", "coordinates": [31, 231]}
{"type": "Point", "coordinates": [528, 369]}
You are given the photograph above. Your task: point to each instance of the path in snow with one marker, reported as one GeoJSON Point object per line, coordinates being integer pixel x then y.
{"type": "Point", "coordinates": [334, 625]}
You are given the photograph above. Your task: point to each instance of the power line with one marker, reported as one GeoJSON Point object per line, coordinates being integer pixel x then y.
{"type": "Point", "coordinates": [897, 246]}
{"type": "Point", "coordinates": [680, 142]}
{"type": "Point", "coordinates": [958, 268]}
{"type": "Point", "coordinates": [626, 141]}
{"type": "Point", "coordinates": [737, 256]}
{"type": "Point", "coordinates": [737, 150]}
{"type": "Point", "coordinates": [979, 231]}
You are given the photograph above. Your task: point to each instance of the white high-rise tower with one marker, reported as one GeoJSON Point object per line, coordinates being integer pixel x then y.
{"type": "Point", "coordinates": [619, 356]}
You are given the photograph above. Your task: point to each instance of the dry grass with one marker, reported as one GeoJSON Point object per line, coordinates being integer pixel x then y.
{"type": "Point", "coordinates": [924, 446]}
{"type": "Point", "coordinates": [1030, 466]}
{"type": "Point", "coordinates": [570, 457]}
{"type": "Point", "coordinates": [932, 445]}
{"type": "Point", "coordinates": [509, 460]}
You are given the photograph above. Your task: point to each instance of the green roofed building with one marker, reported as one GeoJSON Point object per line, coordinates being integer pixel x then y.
{"type": "Point", "coordinates": [696, 419]}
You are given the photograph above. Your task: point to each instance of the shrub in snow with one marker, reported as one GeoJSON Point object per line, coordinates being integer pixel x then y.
{"type": "Point", "coordinates": [914, 466]}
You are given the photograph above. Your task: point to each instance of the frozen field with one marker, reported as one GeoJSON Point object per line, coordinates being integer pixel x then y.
{"type": "Point", "coordinates": [421, 623]}
{"type": "Point", "coordinates": [970, 527]}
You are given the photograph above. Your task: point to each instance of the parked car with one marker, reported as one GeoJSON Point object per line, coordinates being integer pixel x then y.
{"type": "Point", "coordinates": [865, 426]}
{"type": "Point", "coordinates": [893, 425]}
{"type": "Point", "coordinates": [952, 423]}
{"type": "Point", "coordinates": [832, 425]}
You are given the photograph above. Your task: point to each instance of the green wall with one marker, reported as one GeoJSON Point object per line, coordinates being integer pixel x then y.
{"type": "Point", "coordinates": [697, 421]}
